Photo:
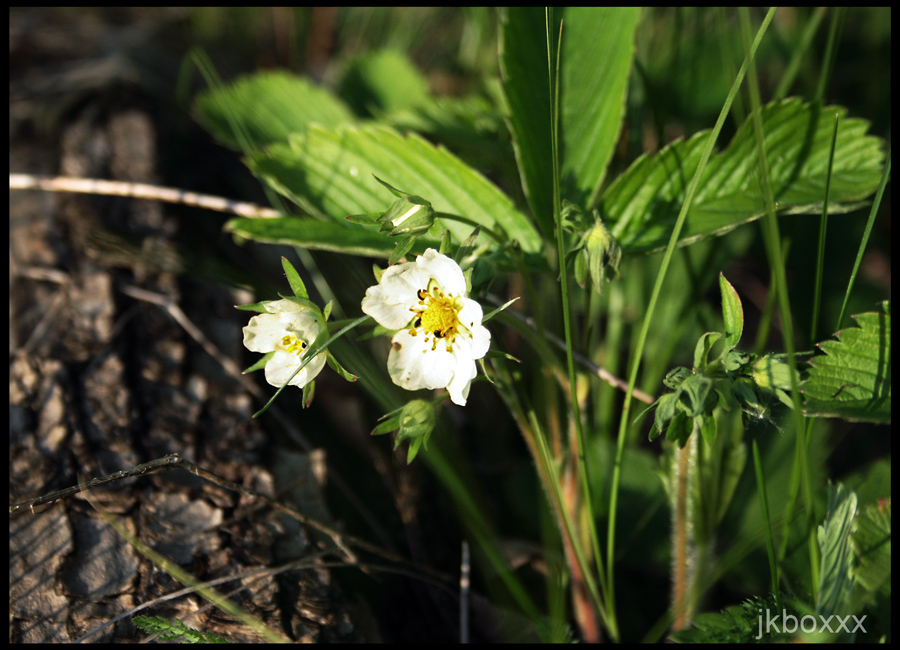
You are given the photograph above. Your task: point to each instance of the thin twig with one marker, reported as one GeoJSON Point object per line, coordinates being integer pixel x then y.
{"type": "Point", "coordinates": [159, 465]}
{"type": "Point", "coordinates": [602, 373]}
{"type": "Point", "coordinates": [139, 191]}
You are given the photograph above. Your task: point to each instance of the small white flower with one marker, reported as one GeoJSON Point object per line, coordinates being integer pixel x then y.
{"type": "Point", "coordinates": [440, 335]}
{"type": "Point", "coordinates": [288, 329]}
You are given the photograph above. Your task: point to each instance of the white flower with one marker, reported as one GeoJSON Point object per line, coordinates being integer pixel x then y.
{"type": "Point", "coordinates": [440, 335]}
{"type": "Point", "coordinates": [288, 329]}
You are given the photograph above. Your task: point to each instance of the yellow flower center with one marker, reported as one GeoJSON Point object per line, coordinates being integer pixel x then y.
{"type": "Point", "coordinates": [293, 344]}
{"type": "Point", "coordinates": [437, 315]}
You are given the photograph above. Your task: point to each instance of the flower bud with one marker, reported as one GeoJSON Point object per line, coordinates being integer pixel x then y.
{"type": "Point", "coordinates": [409, 215]}
{"type": "Point", "coordinates": [602, 251]}
{"type": "Point", "coordinates": [416, 421]}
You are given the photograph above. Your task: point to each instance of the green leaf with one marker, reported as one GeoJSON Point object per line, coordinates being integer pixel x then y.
{"type": "Point", "coordinates": [526, 89]}
{"type": "Point", "coordinates": [852, 380]}
{"type": "Point", "coordinates": [317, 235]}
{"type": "Point", "coordinates": [643, 203]}
{"type": "Point", "coordinates": [703, 347]}
{"type": "Point", "coordinates": [732, 312]}
{"type": "Point", "coordinates": [595, 63]}
{"type": "Point", "coordinates": [266, 108]}
{"type": "Point", "coordinates": [331, 173]}
{"type": "Point", "coordinates": [597, 51]}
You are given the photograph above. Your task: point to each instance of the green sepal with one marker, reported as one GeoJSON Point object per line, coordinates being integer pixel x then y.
{"type": "Point", "coordinates": [338, 368]}
{"type": "Point", "coordinates": [467, 274]}
{"type": "Point", "coordinates": [364, 219]}
{"type": "Point", "coordinates": [417, 420]}
{"type": "Point", "coordinates": [393, 190]}
{"type": "Point", "coordinates": [401, 249]}
{"type": "Point", "coordinates": [378, 272]}
{"type": "Point", "coordinates": [259, 365]}
{"type": "Point", "coordinates": [294, 280]}
{"type": "Point", "coordinates": [410, 215]}
{"type": "Point", "coordinates": [327, 312]}
{"type": "Point", "coordinates": [499, 354]}
{"type": "Point", "coordinates": [414, 447]}
{"type": "Point", "coordinates": [306, 303]}
{"type": "Point", "coordinates": [496, 311]}
{"type": "Point", "coordinates": [465, 249]}
{"type": "Point", "coordinates": [309, 392]}
{"type": "Point", "coordinates": [484, 370]}
{"type": "Point", "coordinates": [258, 307]}
{"type": "Point", "coordinates": [446, 243]}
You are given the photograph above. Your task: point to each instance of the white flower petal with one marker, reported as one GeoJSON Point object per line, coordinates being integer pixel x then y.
{"type": "Point", "coordinates": [412, 363]}
{"type": "Point", "coordinates": [444, 356]}
{"type": "Point", "coordinates": [263, 333]}
{"type": "Point", "coordinates": [389, 310]}
{"type": "Point", "coordinates": [462, 379]}
{"type": "Point", "coordinates": [284, 306]}
{"type": "Point", "coordinates": [444, 270]}
{"type": "Point", "coordinates": [283, 364]}
{"type": "Point", "coordinates": [283, 331]}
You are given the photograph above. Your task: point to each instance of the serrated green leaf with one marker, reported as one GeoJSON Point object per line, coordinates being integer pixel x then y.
{"type": "Point", "coordinates": [331, 173]}
{"type": "Point", "coordinates": [732, 312]}
{"type": "Point", "coordinates": [833, 536]}
{"type": "Point", "coordinates": [853, 379]}
{"type": "Point", "coordinates": [871, 542]}
{"type": "Point", "coordinates": [266, 108]}
{"type": "Point", "coordinates": [595, 62]}
{"type": "Point", "coordinates": [643, 204]}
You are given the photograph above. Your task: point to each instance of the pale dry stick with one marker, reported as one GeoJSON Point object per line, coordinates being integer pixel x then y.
{"type": "Point", "coordinates": [139, 191]}
{"type": "Point", "coordinates": [602, 373]}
